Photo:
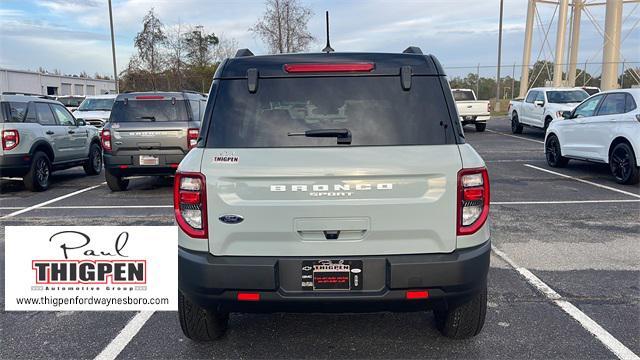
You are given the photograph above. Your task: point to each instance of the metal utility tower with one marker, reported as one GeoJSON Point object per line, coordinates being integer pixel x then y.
{"type": "Point", "coordinates": [611, 52]}
{"type": "Point", "coordinates": [560, 37]}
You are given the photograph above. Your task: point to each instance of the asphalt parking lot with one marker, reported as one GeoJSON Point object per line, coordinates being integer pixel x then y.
{"type": "Point", "coordinates": [574, 229]}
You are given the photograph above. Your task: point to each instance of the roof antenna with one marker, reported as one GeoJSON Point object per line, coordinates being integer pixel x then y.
{"type": "Point", "coordinates": [327, 48]}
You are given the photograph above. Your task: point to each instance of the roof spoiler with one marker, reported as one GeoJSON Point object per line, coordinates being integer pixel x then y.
{"type": "Point", "coordinates": [412, 50]}
{"type": "Point", "coordinates": [243, 53]}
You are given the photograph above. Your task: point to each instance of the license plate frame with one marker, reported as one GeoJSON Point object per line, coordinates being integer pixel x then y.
{"type": "Point", "coordinates": [332, 275]}
{"type": "Point", "coordinates": [149, 160]}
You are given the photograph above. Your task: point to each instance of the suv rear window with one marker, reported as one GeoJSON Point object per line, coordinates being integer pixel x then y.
{"type": "Point", "coordinates": [149, 110]}
{"type": "Point", "coordinates": [16, 111]}
{"type": "Point", "coordinates": [376, 110]}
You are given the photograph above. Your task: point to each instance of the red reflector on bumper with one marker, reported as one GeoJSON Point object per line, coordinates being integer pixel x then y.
{"type": "Point", "coordinates": [417, 294]}
{"type": "Point", "coordinates": [248, 297]}
{"type": "Point", "coordinates": [123, 166]}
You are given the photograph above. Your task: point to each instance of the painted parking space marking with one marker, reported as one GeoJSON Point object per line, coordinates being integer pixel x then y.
{"type": "Point", "coordinates": [583, 181]}
{"type": "Point", "coordinates": [610, 342]}
{"type": "Point", "coordinates": [125, 336]}
{"type": "Point", "coordinates": [515, 136]}
{"type": "Point", "coordinates": [563, 202]}
{"type": "Point", "coordinates": [22, 211]}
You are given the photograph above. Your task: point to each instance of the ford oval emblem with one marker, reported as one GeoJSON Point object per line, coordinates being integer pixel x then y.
{"type": "Point", "coordinates": [231, 219]}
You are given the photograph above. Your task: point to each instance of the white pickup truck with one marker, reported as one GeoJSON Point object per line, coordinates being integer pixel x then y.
{"type": "Point", "coordinates": [542, 105]}
{"type": "Point", "coordinates": [470, 109]}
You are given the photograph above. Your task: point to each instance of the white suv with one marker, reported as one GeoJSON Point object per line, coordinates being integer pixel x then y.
{"type": "Point", "coordinates": [604, 128]}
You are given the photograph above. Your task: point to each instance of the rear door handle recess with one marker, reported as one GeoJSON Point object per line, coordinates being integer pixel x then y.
{"type": "Point", "coordinates": [71, 132]}
{"type": "Point", "coordinates": [49, 132]}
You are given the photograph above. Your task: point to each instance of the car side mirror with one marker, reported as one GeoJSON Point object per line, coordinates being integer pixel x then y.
{"type": "Point", "coordinates": [539, 103]}
{"type": "Point", "coordinates": [80, 122]}
{"type": "Point", "coordinates": [566, 114]}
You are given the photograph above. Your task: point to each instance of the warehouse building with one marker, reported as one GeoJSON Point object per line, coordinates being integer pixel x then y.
{"type": "Point", "coordinates": [49, 84]}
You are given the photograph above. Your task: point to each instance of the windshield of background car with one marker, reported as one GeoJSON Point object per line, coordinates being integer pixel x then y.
{"type": "Point", "coordinates": [376, 110]}
{"type": "Point", "coordinates": [463, 96]}
{"type": "Point", "coordinates": [96, 105]}
{"type": "Point", "coordinates": [149, 110]}
{"type": "Point", "coordinates": [17, 111]}
{"type": "Point", "coordinates": [70, 101]}
{"type": "Point", "coordinates": [564, 97]}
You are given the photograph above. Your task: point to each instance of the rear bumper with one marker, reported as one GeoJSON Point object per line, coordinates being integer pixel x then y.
{"type": "Point", "coordinates": [14, 165]}
{"type": "Point", "coordinates": [472, 119]}
{"type": "Point", "coordinates": [213, 281]}
{"type": "Point", "coordinates": [129, 165]}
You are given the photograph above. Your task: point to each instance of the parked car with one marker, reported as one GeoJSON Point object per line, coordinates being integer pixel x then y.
{"type": "Point", "coordinates": [470, 109]}
{"type": "Point", "coordinates": [542, 105]}
{"type": "Point", "coordinates": [96, 109]}
{"type": "Point", "coordinates": [591, 90]}
{"type": "Point", "coordinates": [149, 133]}
{"type": "Point", "coordinates": [40, 136]}
{"type": "Point", "coordinates": [331, 183]}
{"type": "Point", "coordinates": [71, 102]}
{"type": "Point", "coordinates": [605, 128]}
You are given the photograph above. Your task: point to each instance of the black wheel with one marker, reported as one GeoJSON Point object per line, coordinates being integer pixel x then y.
{"type": "Point", "coordinates": [116, 183]}
{"type": "Point", "coordinates": [480, 127]}
{"type": "Point", "coordinates": [465, 320]}
{"type": "Point", "coordinates": [37, 179]}
{"type": "Point", "coordinates": [553, 152]}
{"type": "Point", "coordinates": [93, 165]}
{"type": "Point", "coordinates": [622, 162]}
{"type": "Point", "coordinates": [200, 324]}
{"type": "Point", "coordinates": [516, 127]}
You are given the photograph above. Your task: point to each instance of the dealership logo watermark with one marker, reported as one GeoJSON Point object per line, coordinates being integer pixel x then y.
{"type": "Point", "coordinates": [91, 268]}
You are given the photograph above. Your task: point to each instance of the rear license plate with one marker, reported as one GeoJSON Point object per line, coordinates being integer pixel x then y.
{"type": "Point", "coordinates": [149, 160]}
{"type": "Point", "coordinates": [332, 275]}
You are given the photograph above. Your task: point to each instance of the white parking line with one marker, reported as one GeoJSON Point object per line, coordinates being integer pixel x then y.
{"type": "Point", "coordinates": [118, 344]}
{"type": "Point", "coordinates": [613, 344]}
{"type": "Point", "coordinates": [583, 181]}
{"type": "Point", "coordinates": [515, 136]}
{"type": "Point", "coordinates": [22, 211]}
{"type": "Point", "coordinates": [562, 202]}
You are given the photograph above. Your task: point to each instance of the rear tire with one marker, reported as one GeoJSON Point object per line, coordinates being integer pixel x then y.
{"type": "Point", "coordinates": [553, 153]}
{"type": "Point", "coordinates": [516, 127]}
{"type": "Point", "coordinates": [116, 183]}
{"type": "Point", "coordinates": [465, 320]}
{"type": "Point", "coordinates": [480, 127]}
{"type": "Point", "coordinates": [622, 163]}
{"type": "Point", "coordinates": [201, 324]}
{"type": "Point", "coordinates": [93, 165]}
{"type": "Point", "coordinates": [37, 179]}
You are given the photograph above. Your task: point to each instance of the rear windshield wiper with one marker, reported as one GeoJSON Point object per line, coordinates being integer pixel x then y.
{"type": "Point", "coordinates": [343, 135]}
{"type": "Point", "coordinates": [152, 118]}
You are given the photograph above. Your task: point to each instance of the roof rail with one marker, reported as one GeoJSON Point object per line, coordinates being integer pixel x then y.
{"type": "Point", "coordinates": [243, 53]}
{"type": "Point", "coordinates": [412, 50]}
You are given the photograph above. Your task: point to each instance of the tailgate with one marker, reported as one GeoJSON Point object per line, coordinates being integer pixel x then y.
{"type": "Point", "coordinates": [151, 137]}
{"type": "Point", "coordinates": [332, 201]}
{"type": "Point", "coordinates": [472, 107]}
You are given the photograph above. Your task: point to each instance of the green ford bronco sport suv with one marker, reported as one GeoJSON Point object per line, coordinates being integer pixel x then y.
{"type": "Point", "coordinates": [332, 182]}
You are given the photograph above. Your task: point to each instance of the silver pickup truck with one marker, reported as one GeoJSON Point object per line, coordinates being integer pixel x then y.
{"type": "Point", "coordinates": [471, 110]}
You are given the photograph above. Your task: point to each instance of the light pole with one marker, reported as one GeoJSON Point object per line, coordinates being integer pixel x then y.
{"type": "Point", "coordinates": [113, 50]}
{"type": "Point", "coordinates": [497, 107]}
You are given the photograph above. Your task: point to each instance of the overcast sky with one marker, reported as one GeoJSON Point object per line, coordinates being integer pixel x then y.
{"type": "Point", "coordinates": [73, 35]}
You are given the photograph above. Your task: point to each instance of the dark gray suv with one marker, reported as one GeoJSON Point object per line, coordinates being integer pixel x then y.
{"type": "Point", "coordinates": [149, 133]}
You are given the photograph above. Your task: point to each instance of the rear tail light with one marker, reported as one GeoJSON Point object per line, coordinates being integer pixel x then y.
{"type": "Point", "coordinates": [314, 68]}
{"type": "Point", "coordinates": [417, 294]}
{"type": "Point", "coordinates": [190, 204]}
{"type": "Point", "coordinates": [10, 139]}
{"type": "Point", "coordinates": [473, 200]}
{"type": "Point", "coordinates": [489, 107]}
{"type": "Point", "coordinates": [192, 137]}
{"type": "Point", "coordinates": [105, 137]}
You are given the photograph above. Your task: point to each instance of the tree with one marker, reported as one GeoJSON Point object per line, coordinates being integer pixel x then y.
{"type": "Point", "coordinates": [198, 47]}
{"type": "Point", "coordinates": [148, 42]}
{"type": "Point", "coordinates": [226, 48]}
{"type": "Point", "coordinates": [283, 26]}
{"type": "Point", "coordinates": [631, 76]}
{"type": "Point", "coordinates": [176, 53]}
